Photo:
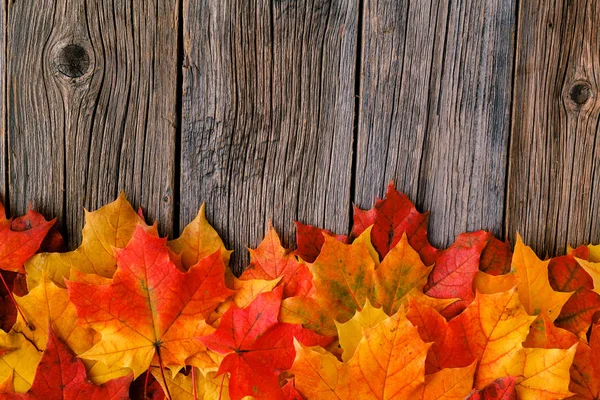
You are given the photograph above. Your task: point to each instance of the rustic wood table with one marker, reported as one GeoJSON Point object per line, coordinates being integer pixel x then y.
{"type": "Point", "coordinates": [485, 112]}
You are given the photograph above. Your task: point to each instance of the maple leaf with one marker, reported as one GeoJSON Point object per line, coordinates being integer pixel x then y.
{"type": "Point", "coordinates": [47, 307]}
{"type": "Point", "coordinates": [389, 362]}
{"type": "Point", "coordinates": [18, 360]}
{"type": "Point", "coordinates": [195, 385]}
{"type": "Point", "coordinates": [351, 332]}
{"type": "Point", "coordinates": [257, 347]}
{"type": "Point", "coordinates": [593, 269]}
{"type": "Point", "coordinates": [150, 310]}
{"type": "Point", "coordinates": [454, 271]}
{"type": "Point", "coordinates": [566, 275]}
{"type": "Point", "coordinates": [579, 312]}
{"type": "Point", "coordinates": [53, 240]}
{"type": "Point", "coordinates": [271, 261]}
{"type": "Point", "coordinates": [496, 257]}
{"type": "Point", "coordinates": [500, 389]}
{"type": "Point", "coordinates": [17, 244]}
{"type": "Point", "coordinates": [198, 240]}
{"type": "Point", "coordinates": [585, 372]}
{"type": "Point", "coordinates": [391, 218]}
{"type": "Point", "coordinates": [450, 383]}
{"type": "Point", "coordinates": [110, 226]}
{"type": "Point", "coordinates": [310, 240]}
{"type": "Point", "coordinates": [345, 275]}
{"type": "Point", "coordinates": [535, 292]}
{"type": "Point", "coordinates": [490, 330]}
{"type": "Point", "coordinates": [60, 375]}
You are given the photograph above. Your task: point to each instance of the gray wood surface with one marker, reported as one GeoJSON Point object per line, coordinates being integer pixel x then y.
{"type": "Point", "coordinates": [435, 105]}
{"type": "Point", "coordinates": [553, 191]}
{"type": "Point", "coordinates": [91, 106]}
{"type": "Point", "coordinates": [487, 113]}
{"type": "Point", "coordinates": [267, 119]}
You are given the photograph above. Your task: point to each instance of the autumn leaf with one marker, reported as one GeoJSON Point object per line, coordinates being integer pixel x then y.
{"type": "Point", "coordinates": [18, 360]}
{"type": "Point", "coordinates": [490, 330]}
{"type": "Point", "coordinates": [310, 240]}
{"type": "Point", "coordinates": [194, 386]}
{"type": "Point", "coordinates": [150, 312]}
{"type": "Point", "coordinates": [391, 218]}
{"type": "Point", "coordinates": [389, 362]}
{"type": "Point", "coordinates": [499, 389]}
{"type": "Point", "coordinates": [61, 375]}
{"type": "Point", "coordinates": [18, 244]}
{"type": "Point", "coordinates": [111, 226]}
{"type": "Point", "coordinates": [593, 269]}
{"type": "Point", "coordinates": [345, 275]}
{"type": "Point", "coordinates": [566, 275]}
{"type": "Point", "coordinates": [454, 271]}
{"type": "Point", "coordinates": [257, 347]}
{"type": "Point", "coordinates": [585, 372]}
{"type": "Point", "coordinates": [271, 261]}
{"type": "Point", "coordinates": [579, 312]}
{"type": "Point", "coordinates": [197, 241]}
{"type": "Point", "coordinates": [351, 332]}
{"type": "Point", "coordinates": [535, 292]}
{"type": "Point", "coordinates": [496, 258]}
{"type": "Point", "coordinates": [450, 383]}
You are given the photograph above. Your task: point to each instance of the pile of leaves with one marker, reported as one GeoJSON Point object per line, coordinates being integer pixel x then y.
{"type": "Point", "coordinates": [378, 314]}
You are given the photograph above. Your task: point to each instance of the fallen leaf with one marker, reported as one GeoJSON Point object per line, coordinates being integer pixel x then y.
{"type": "Point", "coordinates": [391, 218]}
{"type": "Point", "coordinates": [109, 227]}
{"type": "Point", "coordinates": [585, 371]}
{"type": "Point", "coordinates": [310, 240]}
{"type": "Point", "coordinates": [61, 375]}
{"type": "Point", "coordinates": [535, 292]}
{"type": "Point", "coordinates": [500, 389]}
{"type": "Point", "coordinates": [151, 311]}
{"type": "Point", "coordinates": [16, 246]}
{"type": "Point", "coordinates": [257, 347]}
{"type": "Point", "coordinates": [271, 261]}
{"type": "Point", "coordinates": [454, 271]}
{"type": "Point", "coordinates": [198, 240]}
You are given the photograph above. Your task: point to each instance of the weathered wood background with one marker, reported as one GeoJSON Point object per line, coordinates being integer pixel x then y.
{"type": "Point", "coordinates": [487, 113]}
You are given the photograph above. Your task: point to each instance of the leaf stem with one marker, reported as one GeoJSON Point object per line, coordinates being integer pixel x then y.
{"type": "Point", "coordinates": [194, 384]}
{"type": "Point", "coordinates": [162, 372]}
{"type": "Point", "coordinates": [12, 298]}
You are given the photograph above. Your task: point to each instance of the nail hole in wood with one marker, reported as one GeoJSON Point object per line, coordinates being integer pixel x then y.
{"type": "Point", "coordinates": [72, 61]}
{"type": "Point", "coordinates": [580, 93]}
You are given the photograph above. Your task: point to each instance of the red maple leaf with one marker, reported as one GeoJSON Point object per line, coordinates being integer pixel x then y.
{"type": "Point", "coordinates": [310, 240]}
{"type": "Point", "coordinates": [271, 261]}
{"type": "Point", "coordinates": [53, 242]}
{"type": "Point", "coordinates": [61, 375]}
{"type": "Point", "coordinates": [496, 258]}
{"type": "Point", "coordinates": [16, 246]}
{"type": "Point", "coordinates": [454, 270]}
{"type": "Point", "coordinates": [391, 217]}
{"type": "Point", "coordinates": [258, 347]}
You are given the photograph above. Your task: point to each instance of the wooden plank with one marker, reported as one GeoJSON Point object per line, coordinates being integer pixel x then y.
{"type": "Point", "coordinates": [91, 106]}
{"type": "Point", "coordinates": [435, 106]}
{"type": "Point", "coordinates": [553, 192]}
{"type": "Point", "coordinates": [267, 119]}
{"type": "Point", "coordinates": [3, 137]}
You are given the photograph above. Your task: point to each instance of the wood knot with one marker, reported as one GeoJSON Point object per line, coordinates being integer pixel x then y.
{"type": "Point", "coordinates": [580, 92]}
{"type": "Point", "coordinates": [73, 61]}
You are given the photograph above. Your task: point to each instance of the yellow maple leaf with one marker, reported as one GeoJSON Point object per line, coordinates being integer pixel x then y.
{"type": "Point", "coordinates": [592, 268]}
{"type": "Point", "coordinates": [351, 332]}
{"type": "Point", "coordinates": [535, 292]}
{"type": "Point", "coordinates": [198, 240]}
{"type": "Point", "coordinates": [111, 226]}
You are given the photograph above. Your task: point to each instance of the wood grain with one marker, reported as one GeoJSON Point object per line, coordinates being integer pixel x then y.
{"type": "Point", "coordinates": [553, 193]}
{"type": "Point", "coordinates": [435, 104]}
{"type": "Point", "coordinates": [91, 106]}
{"type": "Point", "coordinates": [268, 99]}
{"type": "Point", "coordinates": [3, 135]}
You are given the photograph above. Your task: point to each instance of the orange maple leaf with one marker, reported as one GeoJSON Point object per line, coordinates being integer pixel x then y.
{"type": "Point", "coordinates": [150, 310]}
